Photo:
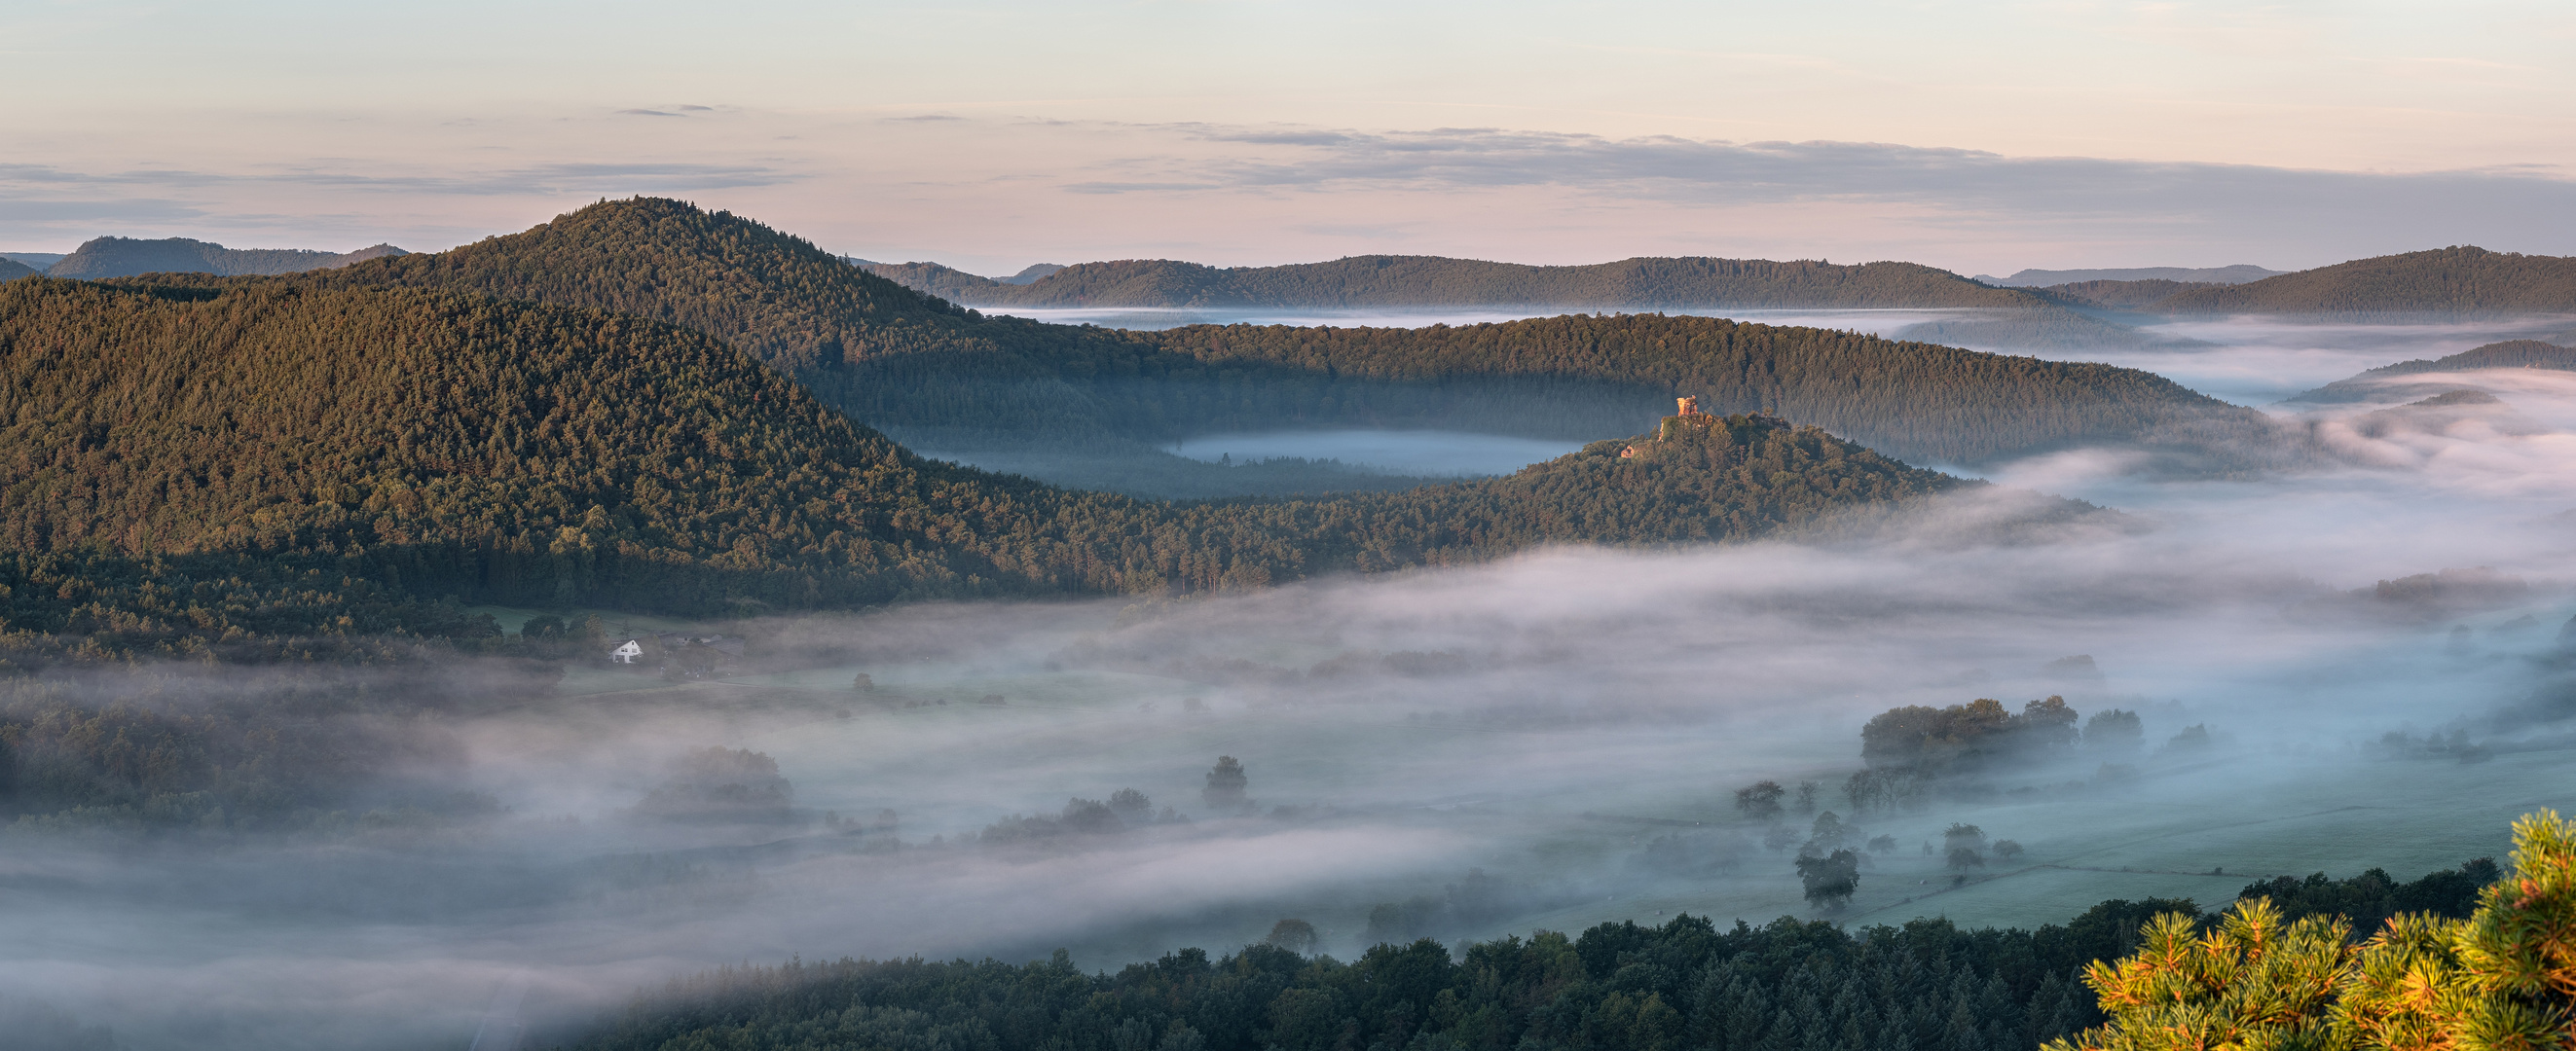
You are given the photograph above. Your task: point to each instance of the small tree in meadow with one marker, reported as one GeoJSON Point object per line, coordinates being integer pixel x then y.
{"type": "Point", "coordinates": [1830, 881]}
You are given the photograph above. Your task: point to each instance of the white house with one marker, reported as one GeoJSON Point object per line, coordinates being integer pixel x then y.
{"type": "Point", "coordinates": [627, 653]}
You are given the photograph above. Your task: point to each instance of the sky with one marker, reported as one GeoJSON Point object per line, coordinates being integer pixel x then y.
{"type": "Point", "coordinates": [1983, 137]}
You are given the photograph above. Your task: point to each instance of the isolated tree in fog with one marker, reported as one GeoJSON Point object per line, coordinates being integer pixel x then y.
{"type": "Point", "coordinates": [1862, 791]}
{"type": "Point", "coordinates": [2007, 849]}
{"type": "Point", "coordinates": [1760, 800]}
{"type": "Point", "coordinates": [1132, 806]}
{"type": "Point", "coordinates": [1806, 798]}
{"type": "Point", "coordinates": [1226, 786]}
{"type": "Point", "coordinates": [1825, 836]}
{"type": "Point", "coordinates": [720, 784]}
{"type": "Point", "coordinates": [1829, 881]}
{"type": "Point", "coordinates": [2046, 724]}
{"type": "Point", "coordinates": [2114, 733]}
{"type": "Point", "coordinates": [2195, 738]}
{"type": "Point", "coordinates": [1090, 815]}
{"type": "Point", "coordinates": [1780, 836]}
{"type": "Point", "coordinates": [1297, 936]}
{"type": "Point", "coordinates": [1965, 845]}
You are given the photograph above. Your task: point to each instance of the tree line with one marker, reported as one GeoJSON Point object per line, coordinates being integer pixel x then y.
{"type": "Point", "coordinates": [1926, 985]}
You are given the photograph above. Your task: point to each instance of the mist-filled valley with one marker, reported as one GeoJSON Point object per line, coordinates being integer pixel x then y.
{"type": "Point", "coordinates": [585, 636]}
{"type": "Point", "coordinates": [2360, 665]}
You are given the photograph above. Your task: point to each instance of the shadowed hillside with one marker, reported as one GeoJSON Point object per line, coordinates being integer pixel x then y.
{"type": "Point", "coordinates": [2460, 279]}
{"type": "Point", "coordinates": [2378, 384]}
{"type": "Point", "coordinates": [935, 373]}
{"type": "Point", "coordinates": [11, 270]}
{"type": "Point", "coordinates": [2120, 295]}
{"type": "Point", "coordinates": [108, 257]}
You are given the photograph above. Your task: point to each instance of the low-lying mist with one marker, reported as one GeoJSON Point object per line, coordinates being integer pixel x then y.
{"type": "Point", "coordinates": [2328, 671]}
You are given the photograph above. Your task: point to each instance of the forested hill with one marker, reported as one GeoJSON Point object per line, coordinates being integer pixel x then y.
{"type": "Point", "coordinates": [2443, 280]}
{"type": "Point", "coordinates": [1417, 280]}
{"type": "Point", "coordinates": [1927, 400]}
{"type": "Point", "coordinates": [900, 360]}
{"type": "Point", "coordinates": [266, 457]}
{"type": "Point", "coordinates": [107, 257]}
{"type": "Point", "coordinates": [11, 270]}
{"type": "Point", "coordinates": [2374, 385]}
{"type": "Point", "coordinates": [955, 286]}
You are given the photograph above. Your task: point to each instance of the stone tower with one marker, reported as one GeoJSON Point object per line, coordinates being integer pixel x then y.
{"type": "Point", "coordinates": [1690, 406]}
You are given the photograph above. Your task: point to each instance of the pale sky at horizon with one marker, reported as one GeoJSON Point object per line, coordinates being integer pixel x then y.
{"type": "Point", "coordinates": [1978, 137]}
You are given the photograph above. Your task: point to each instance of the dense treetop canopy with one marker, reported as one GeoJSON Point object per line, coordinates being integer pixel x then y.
{"type": "Point", "coordinates": [1923, 986]}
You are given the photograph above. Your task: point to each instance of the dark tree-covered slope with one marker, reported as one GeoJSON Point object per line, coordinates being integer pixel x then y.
{"type": "Point", "coordinates": [435, 444]}
{"type": "Point", "coordinates": [953, 285]}
{"type": "Point", "coordinates": [2460, 279]}
{"type": "Point", "coordinates": [2376, 385]}
{"type": "Point", "coordinates": [1408, 281]}
{"type": "Point", "coordinates": [11, 270]}
{"type": "Point", "coordinates": [903, 361]}
{"type": "Point", "coordinates": [268, 457]}
{"type": "Point", "coordinates": [1926, 986]}
{"type": "Point", "coordinates": [2120, 295]}
{"type": "Point", "coordinates": [108, 257]}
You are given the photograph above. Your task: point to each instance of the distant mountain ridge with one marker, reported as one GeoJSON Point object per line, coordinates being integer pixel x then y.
{"type": "Point", "coordinates": [11, 270]}
{"type": "Point", "coordinates": [1407, 281]}
{"type": "Point", "coordinates": [2374, 384]}
{"type": "Point", "coordinates": [2456, 280]}
{"type": "Point", "coordinates": [107, 257]}
{"type": "Point", "coordinates": [2462, 279]}
{"type": "Point", "coordinates": [2011, 319]}
{"type": "Point", "coordinates": [2208, 275]}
